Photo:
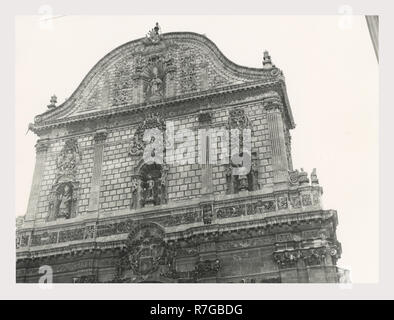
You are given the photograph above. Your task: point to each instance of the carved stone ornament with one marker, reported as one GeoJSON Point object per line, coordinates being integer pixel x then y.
{"type": "Point", "coordinates": [153, 120]}
{"type": "Point", "coordinates": [145, 248]}
{"type": "Point", "coordinates": [205, 117]}
{"type": "Point", "coordinates": [207, 268]}
{"type": "Point", "coordinates": [68, 159]}
{"type": "Point", "coordinates": [207, 214]}
{"type": "Point", "coordinates": [282, 202]}
{"type": "Point", "coordinates": [154, 35]}
{"type": "Point", "coordinates": [294, 177]}
{"type": "Point", "coordinates": [310, 256]}
{"type": "Point", "coordinates": [272, 101]}
{"type": "Point", "coordinates": [238, 119]}
{"type": "Point", "coordinates": [63, 199]}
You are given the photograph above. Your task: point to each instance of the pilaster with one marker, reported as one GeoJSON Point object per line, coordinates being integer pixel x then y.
{"type": "Point", "coordinates": [99, 140]}
{"type": "Point", "coordinates": [42, 147]}
{"type": "Point", "coordinates": [274, 107]}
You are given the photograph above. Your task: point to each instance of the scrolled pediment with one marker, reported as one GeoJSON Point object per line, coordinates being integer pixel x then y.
{"type": "Point", "coordinates": [153, 69]}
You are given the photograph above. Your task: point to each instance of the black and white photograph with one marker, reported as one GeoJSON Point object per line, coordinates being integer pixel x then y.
{"type": "Point", "coordinates": [177, 156]}
{"type": "Point", "coordinates": [171, 163]}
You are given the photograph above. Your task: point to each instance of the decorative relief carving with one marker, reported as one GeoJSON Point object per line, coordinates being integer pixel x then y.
{"type": "Point", "coordinates": [44, 238]}
{"type": "Point", "coordinates": [282, 202]}
{"type": "Point", "coordinates": [145, 248]}
{"type": "Point", "coordinates": [294, 177]}
{"type": "Point", "coordinates": [188, 79]}
{"type": "Point", "coordinates": [71, 235]}
{"type": "Point", "coordinates": [68, 159]}
{"type": "Point", "coordinates": [228, 212]}
{"type": "Point", "coordinates": [272, 101]}
{"type": "Point", "coordinates": [100, 135]}
{"type": "Point", "coordinates": [109, 229]}
{"type": "Point", "coordinates": [310, 256]}
{"type": "Point", "coordinates": [306, 200]}
{"type": "Point", "coordinates": [238, 119]}
{"type": "Point", "coordinates": [316, 197]}
{"type": "Point", "coordinates": [123, 83]}
{"type": "Point", "coordinates": [153, 120]}
{"type": "Point", "coordinates": [295, 201]}
{"type": "Point", "coordinates": [64, 193]}
{"type": "Point", "coordinates": [266, 206]}
{"type": "Point", "coordinates": [207, 214]}
{"type": "Point", "coordinates": [22, 240]}
{"type": "Point", "coordinates": [207, 268]}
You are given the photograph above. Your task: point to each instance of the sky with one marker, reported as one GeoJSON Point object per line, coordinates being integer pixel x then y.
{"type": "Point", "coordinates": [332, 79]}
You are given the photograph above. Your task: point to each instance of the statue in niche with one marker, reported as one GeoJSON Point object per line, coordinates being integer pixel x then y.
{"type": "Point", "coordinates": [63, 201]}
{"type": "Point", "coordinates": [155, 84]}
{"type": "Point", "coordinates": [134, 190]}
{"type": "Point", "coordinates": [153, 184]}
{"type": "Point", "coordinates": [150, 190]}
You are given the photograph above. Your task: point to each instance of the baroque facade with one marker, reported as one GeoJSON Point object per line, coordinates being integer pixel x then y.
{"type": "Point", "coordinates": [99, 212]}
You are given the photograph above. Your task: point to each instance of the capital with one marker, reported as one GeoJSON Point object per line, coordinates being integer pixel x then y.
{"type": "Point", "coordinates": [100, 135]}
{"type": "Point", "coordinates": [272, 101]}
{"type": "Point", "coordinates": [42, 145]}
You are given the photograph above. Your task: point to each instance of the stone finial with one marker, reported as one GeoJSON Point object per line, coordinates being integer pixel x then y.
{"type": "Point", "coordinates": [314, 179]}
{"type": "Point", "coordinates": [153, 35]}
{"type": "Point", "coordinates": [303, 177]}
{"type": "Point", "coordinates": [267, 63]}
{"type": "Point", "coordinates": [53, 102]}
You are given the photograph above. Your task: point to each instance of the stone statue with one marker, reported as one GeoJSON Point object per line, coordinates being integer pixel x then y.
{"type": "Point", "coordinates": [150, 190]}
{"type": "Point", "coordinates": [156, 84]}
{"type": "Point", "coordinates": [64, 202]}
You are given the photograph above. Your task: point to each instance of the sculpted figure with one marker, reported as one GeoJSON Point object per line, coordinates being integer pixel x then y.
{"type": "Point", "coordinates": [150, 190]}
{"type": "Point", "coordinates": [155, 83]}
{"type": "Point", "coordinates": [64, 202]}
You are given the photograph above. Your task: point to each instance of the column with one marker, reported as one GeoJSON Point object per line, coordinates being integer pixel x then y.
{"type": "Point", "coordinates": [273, 105]}
{"type": "Point", "coordinates": [41, 153]}
{"type": "Point", "coordinates": [99, 140]}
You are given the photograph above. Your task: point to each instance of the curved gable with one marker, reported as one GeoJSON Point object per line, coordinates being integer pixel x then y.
{"type": "Point", "coordinates": [156, 68]}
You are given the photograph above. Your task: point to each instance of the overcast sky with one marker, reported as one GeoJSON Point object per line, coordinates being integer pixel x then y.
{"type": "Point", "coordinates": [332, 81]}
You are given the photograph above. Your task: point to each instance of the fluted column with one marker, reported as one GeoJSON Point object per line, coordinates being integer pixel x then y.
{"type": "Point", "coordinates": [41, 153]}
{"type": "Point", "coordinates": [99, 140]}
{"type": "Point", "coordinates": [273, 105]}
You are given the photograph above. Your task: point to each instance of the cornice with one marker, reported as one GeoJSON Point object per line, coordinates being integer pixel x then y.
{"type": "Point", "coordinates": [141, 107]}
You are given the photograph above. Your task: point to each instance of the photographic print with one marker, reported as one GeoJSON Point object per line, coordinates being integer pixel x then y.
{"type": "Point", "coordinates": [195, 149]}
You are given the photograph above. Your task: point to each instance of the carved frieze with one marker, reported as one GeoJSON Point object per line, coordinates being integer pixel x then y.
{"type": "Point", "coordinates": [207, 214]}
{"type": "Point", "coordinates": [282, 202]}
{"type": "Point", "coordinates": [206, 268]}
{"type": "Point", "coordinates": [310, 256]}
{"type": "Point", "coordinates": [306, 200]}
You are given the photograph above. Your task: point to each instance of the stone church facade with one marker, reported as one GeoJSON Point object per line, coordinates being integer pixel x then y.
{"type": "Point", "coordinates": [219, 202]}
